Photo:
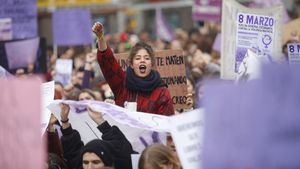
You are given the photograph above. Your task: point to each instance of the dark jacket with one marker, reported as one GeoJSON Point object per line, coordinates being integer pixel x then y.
{"type": "Point", "coordinates": [157, 102]}
{"type": "Point", "coordinates": [119, 145]}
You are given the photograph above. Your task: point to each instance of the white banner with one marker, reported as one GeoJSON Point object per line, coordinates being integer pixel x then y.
{"type": "Point", "coordinates": [139, 130]}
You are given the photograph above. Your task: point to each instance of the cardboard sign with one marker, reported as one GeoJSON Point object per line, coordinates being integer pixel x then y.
{"type": "Point", "coordinates": [187, 132]}
{"type": "Point", "coordinates": [248, 28]}
{"type": "Point", "coordinates": [24, 17]}
{"type": "Point", "coordinates": [20, 104]}
{"type": "Point", "coordinates": [171, 66]}
{"type": "Point", "coordinates": [291, 30]}
{"type": "Point", "coordinates": [72, 27]}
{"type": "Point", "coordinates": [294, 53]}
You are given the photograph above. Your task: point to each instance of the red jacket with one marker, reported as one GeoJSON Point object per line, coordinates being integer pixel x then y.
{"type": "Point", "coordinates": [157, 102]}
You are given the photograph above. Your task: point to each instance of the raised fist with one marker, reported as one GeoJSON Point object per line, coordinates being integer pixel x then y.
{"type": "Point", "coordinates": [98, 29]}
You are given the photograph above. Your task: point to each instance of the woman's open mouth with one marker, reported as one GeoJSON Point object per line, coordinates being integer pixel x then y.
{"type": "Point", "coordinates": [142, 68]}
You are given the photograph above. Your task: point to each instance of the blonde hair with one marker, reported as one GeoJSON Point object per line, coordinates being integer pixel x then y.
{"type": "Point", "coordinates": [156, 155]}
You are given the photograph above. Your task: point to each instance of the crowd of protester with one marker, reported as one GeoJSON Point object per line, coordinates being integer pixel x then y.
{"type": "Point", "coordinates": [91, 81]}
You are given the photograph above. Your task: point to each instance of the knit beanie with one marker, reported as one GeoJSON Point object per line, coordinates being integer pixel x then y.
{"type": "Point", "coordinates": [102, 149]}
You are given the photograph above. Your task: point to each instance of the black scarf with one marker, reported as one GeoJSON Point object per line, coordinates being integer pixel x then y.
{"type": "Point", "coordinates": [146, 84]}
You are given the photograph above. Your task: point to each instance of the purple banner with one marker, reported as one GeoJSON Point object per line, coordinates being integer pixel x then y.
{"type": "Point", "coordinates": [24, 17]}
{"type": "Point", "coordinates": [22, 53]}
{"type": "Point", "coordinates": [207, 10]}
{"type": "Point", "coordinates": [72, 27]}
{"type": "Point", "coordinates": [259, 121]}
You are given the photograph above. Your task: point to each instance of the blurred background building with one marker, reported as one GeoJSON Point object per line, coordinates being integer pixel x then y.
{"type": "Point", "coordinates": [133, 16]}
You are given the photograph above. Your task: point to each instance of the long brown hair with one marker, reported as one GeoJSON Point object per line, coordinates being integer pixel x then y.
{"type": "Point", "coordinates": [156, 155]}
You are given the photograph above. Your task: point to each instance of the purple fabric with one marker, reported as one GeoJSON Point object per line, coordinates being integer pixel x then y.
{"type": "Point", "coordinates": [72, 27]}
{"type": "Point", "coordinates": [207, 10]}
{"type": "Point", "coordinates": [86, 79]}
{"type": "Point", "coordinates": [24, 17]}
{"type": "Point", "coordinates": [163, 29]}
{"type": "Point", "coordinates": [217, 43]}
{"type": "Point", "coordinates": [254, 125]}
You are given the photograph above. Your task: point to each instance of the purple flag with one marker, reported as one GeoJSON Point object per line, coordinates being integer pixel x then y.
{"type": "Point", "coordinates": [21, 53]}
{"type": "Point", "coordinates": [217, 43]}
{"type": "Point", "coordinates": [207, 10]}
{"type": "Point", "coordinates": [163, 30]}
{"type": "Point", "coordinates": [72, 27]}
{"type": "Point", "coordinates": [254, 125]}
{"type": "Point", "coordinates": [24, 17]}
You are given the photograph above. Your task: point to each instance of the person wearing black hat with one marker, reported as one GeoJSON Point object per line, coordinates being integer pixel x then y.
{"type": "Point", "coordinates": [113, 151]}
{"type": "Point", "coordinates": [97, 154]}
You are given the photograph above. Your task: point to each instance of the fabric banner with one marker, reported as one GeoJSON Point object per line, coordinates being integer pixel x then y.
{"type": "Point", "coordinates": [171, 66]}
{"type": "Point", "coordinates": [139, 128]}
{"type": "Point", "coordinates": [21, 145]}
{"type": "Point", "coordinates": [24, 17]}
{"type": "Point", "coordinates": [21, 53]}
{"type": "Point", "coordinates": [72, 27]}
{"type": "Point", "coordinates": [207, 10]}
{"type": "Point", "coordinates": [248, 28]}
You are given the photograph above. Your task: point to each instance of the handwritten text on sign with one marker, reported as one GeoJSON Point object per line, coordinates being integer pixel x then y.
{"type": "Point", "coordinates": [171, 66]}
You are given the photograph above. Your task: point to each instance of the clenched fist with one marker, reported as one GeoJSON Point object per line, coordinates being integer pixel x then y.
{"type": "Point", "coordinates": [98, 30]}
